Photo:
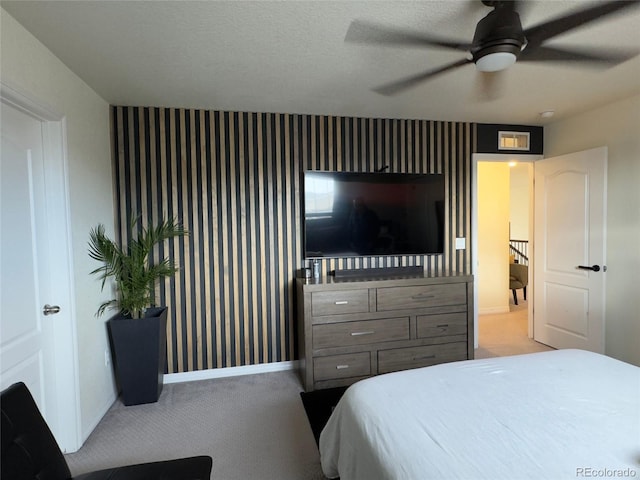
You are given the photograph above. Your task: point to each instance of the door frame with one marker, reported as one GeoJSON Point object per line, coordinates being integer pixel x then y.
{"type": "Point", "coordinates": [502, 158]}
{"type": "Point", "coordinates": [67, 422]}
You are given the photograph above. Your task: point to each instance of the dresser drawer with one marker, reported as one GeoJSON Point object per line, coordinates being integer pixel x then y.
{"type": "Point", "coordinates": [342, 366]}
{"type": "Point", "coordinates": [360, 333]}
{"type": "Point", "coordinates": [414, 357]}
{"type": "Point", "coordinates": [399, 298]}
{"type": "Point", "coordinates": [442, 325]}
{"type": "Point", "coordinates": [339, 302]}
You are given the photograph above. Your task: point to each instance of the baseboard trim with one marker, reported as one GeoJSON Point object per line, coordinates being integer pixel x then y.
{"type": "Point", "coordinates": [493, 310]}
{"type": "Point", "coordinates": [230, 371]}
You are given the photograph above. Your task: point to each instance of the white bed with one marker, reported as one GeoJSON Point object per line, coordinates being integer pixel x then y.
{"type": "Point", "coordinates": [552, 415]}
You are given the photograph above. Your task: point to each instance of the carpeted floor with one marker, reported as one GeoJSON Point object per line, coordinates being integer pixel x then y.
{"type": "Point", "coordinates": [253, 426]}
{"type": "Point", "coordinates": [505, 334]}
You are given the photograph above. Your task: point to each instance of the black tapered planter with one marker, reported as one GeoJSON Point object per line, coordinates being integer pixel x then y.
{"type": "Point", "coordinates": [139, 348]}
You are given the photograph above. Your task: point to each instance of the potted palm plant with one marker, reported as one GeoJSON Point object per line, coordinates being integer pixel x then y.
{"type": "Point", "coordinates": [138, 332]}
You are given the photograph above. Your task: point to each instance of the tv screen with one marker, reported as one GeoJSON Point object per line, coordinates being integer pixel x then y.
{"type": "Point", "coordinates": [359, 214]}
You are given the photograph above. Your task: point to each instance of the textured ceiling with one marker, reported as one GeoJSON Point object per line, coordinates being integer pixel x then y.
{"type": "Point", "coordinates": [290, 57]}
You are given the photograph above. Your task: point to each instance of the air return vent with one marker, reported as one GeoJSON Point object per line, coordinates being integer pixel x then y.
{"type": "Point", "coordinates": [514, 141]}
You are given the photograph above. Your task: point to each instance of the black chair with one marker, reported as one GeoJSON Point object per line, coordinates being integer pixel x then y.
{"type": "Point", "coordinates": [30, 452]}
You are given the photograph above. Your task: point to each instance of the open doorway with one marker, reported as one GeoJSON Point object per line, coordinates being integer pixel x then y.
{"type": "Point", "coordinates": [503, 215]}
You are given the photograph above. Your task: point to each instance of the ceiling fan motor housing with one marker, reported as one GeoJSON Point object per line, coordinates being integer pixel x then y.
{"type": "Point", "coordinates": [499, 32]}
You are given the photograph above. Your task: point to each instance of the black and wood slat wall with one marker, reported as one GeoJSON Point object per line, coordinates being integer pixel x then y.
{"type": "Point", "coordinates": [234, 181]}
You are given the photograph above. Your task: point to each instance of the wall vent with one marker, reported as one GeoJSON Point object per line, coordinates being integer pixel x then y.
{"type": "Point", "coordinates": [514, 141]}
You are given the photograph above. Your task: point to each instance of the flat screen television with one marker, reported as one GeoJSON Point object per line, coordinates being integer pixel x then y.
{"type": "Point", "coordinates": [372, 214]}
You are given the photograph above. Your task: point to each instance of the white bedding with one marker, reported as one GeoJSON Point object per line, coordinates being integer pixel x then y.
{"type": "Point", "coordinates": [552, 415]}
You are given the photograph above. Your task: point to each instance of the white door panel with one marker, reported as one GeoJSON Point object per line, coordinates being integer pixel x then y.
{"type": "Point", "coordinates": [570, 194]}
{"type": "Point", "coordinates": [19, 291]}
{"type": "Point", "coordinates": [35, 263]}
{"type": "Point", "coordinates": [26, 335]}
{"type": "Point", "coordinates": [566, 225]}
{"type": "Point", "coordinates": [567, 309]}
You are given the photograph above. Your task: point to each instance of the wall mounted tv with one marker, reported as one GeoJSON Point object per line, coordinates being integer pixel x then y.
{"type": "Point", "coordinates": [370, 214]}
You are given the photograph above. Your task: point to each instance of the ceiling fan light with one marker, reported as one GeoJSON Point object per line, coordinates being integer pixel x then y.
{"type": "Point", "coordinates": [496, 61]}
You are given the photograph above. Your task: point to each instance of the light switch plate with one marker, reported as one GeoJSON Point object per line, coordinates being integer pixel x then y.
{"type": "Point", "coordinates": [461, 243]}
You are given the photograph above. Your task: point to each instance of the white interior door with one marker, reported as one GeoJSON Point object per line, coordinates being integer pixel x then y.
{"type": "Point", "coordinates": [26, 344]}
{"type": "Point", "coordinates": [35, 263]}
{"type": "Point", "coordinates": [569, 276]}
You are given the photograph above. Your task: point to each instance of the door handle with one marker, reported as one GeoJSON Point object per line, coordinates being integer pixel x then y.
{"type": "Point", "coordinates": [595, 268]}
{"type": "Point", "coordinates": [50, 309]}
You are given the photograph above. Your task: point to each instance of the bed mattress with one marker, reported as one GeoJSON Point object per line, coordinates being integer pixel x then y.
{"type": "Point", "coordinates": [560, 414]}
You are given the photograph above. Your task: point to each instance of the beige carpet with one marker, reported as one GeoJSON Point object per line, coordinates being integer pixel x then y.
{"type": "Point", "coordinates": [253, 426]}
{"type": "Point", "coordinates": [505, 334]}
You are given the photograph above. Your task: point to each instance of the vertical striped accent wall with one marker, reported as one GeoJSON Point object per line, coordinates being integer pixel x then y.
{"type": "Point", "coordinates": [234, 181]}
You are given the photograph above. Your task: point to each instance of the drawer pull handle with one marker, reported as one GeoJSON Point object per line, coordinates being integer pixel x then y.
{"type": "Point", "coordinates": [357, 334]}
{"type": "Point", "coordinates": [422, 296]}
{"type": "Point", "coordinates": [342, 302]}
{"type": "Point", "coordinates": [444, 325]}
{"type": "Point", "coordinates": [424, 357]}
{"type": "Point", "coordinates": [341, 367]}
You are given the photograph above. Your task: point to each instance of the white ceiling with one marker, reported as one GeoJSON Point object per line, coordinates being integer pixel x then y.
{"type": "Point", "coordinates": [290, 57]}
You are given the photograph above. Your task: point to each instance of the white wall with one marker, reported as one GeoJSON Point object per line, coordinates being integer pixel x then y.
{"type": "Point", "coordinates": [616, 126]}
{"type": "Point", "coordinates": [493, 237]}
{"type": "Point", "coordinates": [520, 193]}
{"type": "Point", "coordinates": [30, 68]}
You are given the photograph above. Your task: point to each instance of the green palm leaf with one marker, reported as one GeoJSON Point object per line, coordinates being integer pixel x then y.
{"type": "Point", "coordinates": [134, 273]}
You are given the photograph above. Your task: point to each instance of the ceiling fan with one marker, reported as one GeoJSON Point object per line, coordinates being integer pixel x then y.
{"type": "Point", "coordinates": [499, 41]}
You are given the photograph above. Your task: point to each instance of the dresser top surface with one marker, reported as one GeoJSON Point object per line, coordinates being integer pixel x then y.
{"type": "Point", "coordinates": [384, 281]}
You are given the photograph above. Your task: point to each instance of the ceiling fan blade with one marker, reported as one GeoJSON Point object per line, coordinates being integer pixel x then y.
{"type": "Point", "coordinates": [538, 34]}
{"type": "Point", "coordinates": [405, 83]}
{"type": "Point", "coordinates": [373, 34]}
{"type": "Point", "coordinates": [604, 57]}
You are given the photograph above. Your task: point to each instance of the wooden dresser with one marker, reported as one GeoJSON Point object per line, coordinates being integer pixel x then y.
{"type": "Point", "coordinates": [352, 329]}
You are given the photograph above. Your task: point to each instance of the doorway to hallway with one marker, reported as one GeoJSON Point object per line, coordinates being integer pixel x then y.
{"type": "Point", "coordinates": [504, 212]}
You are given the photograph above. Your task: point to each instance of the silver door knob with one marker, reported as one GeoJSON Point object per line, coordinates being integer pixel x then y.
{"type": "Point", "coordinates": [50, 309]}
